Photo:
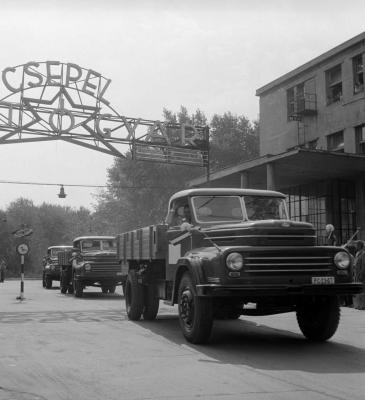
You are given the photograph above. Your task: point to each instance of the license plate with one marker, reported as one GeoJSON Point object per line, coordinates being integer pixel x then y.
{"type": "Point", "coordinates": [119, 273]}
{"type": "Point", "coordinates": [323, 280]}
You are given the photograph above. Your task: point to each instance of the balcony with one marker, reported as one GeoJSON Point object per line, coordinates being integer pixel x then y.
{"type": "Point", "coordinates": [302, 105]}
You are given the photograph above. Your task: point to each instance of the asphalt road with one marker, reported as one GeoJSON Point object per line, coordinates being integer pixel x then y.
{"type": "Point", "coordinates": [56, 346]}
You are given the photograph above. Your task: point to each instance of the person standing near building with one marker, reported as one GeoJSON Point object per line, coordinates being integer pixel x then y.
{"type": "Point", "coordinates": [2, 269]}
{"type": "Point", "coordinates": [359, 275]}
{"type": "Point", "coordinates": [331, 239]}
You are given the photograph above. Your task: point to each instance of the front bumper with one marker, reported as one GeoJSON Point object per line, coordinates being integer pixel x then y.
{"type": "Point", "coordinates": [255, 291]}
{"type": "Point", "coordinates": [55, 274]}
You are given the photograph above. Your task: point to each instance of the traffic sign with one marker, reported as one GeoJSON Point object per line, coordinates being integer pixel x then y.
{"type": "Point", "coordinates": [22, 249]}
{"type": "Point", "coordinates": [21, 232]}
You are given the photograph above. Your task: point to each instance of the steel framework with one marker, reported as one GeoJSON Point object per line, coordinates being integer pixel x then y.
{"type": "Point", "coordinates": [57, 101]}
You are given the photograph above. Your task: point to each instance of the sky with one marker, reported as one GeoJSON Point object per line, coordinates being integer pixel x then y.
{"type": "Point", "coordinates": [203, 54]}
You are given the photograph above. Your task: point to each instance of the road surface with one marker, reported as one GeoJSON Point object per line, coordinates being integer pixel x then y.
{"type": "Point", "coordinates": [56, 346]}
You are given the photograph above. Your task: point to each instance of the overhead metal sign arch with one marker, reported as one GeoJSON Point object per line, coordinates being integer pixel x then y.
{"type": "Point", "coordinates": [62, 101]}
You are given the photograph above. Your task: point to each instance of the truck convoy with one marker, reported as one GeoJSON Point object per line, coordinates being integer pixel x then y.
{"type": "Point", "coordinates": [91, 262]}
{"type": "Point", "coordinates": [223, 253]}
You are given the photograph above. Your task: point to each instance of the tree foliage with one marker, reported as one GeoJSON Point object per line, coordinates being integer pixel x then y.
{"type": "Point", "coordinates": [51, 225]}
{"type": "Point", "coordinates": [138, 192]}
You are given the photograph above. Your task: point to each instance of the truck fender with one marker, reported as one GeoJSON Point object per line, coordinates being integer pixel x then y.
{"type": "Point", "coordinates": [185, 265]}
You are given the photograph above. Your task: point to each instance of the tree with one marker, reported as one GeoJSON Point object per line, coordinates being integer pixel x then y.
{"type": "Point", "coordinates": [138, 191]}
{"type": "Point", "coordinates": [233, 140]}
{"type": "Point", "coordinates": [52, 225]}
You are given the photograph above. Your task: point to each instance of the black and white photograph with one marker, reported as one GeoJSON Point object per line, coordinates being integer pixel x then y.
{"type": "Point", "coordinates": [182, 200]}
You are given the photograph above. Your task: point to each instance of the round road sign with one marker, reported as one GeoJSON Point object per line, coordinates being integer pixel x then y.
{"type": "Point", "coordinates": [22, 249]}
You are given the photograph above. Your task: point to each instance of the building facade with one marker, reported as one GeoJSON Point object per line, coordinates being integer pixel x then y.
{"type": "Point", "coordinates": [312, 142]}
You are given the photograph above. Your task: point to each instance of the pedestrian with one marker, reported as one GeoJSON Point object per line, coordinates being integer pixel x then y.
{"type": "Point", "coordinates": [359, 275]}
{"type": "Point", "coordinates": [331, 239]}
{"type": "Point", "coordinates": [2, 269]}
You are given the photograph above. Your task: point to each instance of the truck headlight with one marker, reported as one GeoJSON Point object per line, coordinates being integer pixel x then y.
{"type": "Point", "coordinates": [342, 260]}
{"type": "Point", "coordinates": [234, 261]}
{"type": "Point", "coordinates": [87, 267]}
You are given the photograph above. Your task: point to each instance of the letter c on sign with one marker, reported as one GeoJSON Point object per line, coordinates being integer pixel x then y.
{"type": "Point", "coordinates": [6, 83]}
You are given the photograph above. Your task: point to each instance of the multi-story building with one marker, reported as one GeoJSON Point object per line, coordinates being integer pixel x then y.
{"type": "Point", "coordinates": [312, 141]}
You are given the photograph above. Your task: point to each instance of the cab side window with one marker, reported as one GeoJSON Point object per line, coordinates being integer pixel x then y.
{"type": "Point", "coordinates": [179, 213]}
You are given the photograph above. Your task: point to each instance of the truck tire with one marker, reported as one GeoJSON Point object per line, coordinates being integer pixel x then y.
{"type": "Point", "coordinates": [195, 313]}
{"type": "Point", "coordinates": [319, 319]}
{"type": "Point", "coordinates": [63, 283]}
{"type": "Point", "coordinates": [134, 299]}
{"type": "Point", "coordinates": [48, 282]}
{"type": "Point", "coordinates": [77, 286]}
{"type": "Point", "coordinates": [43, 281]}
{"type": "Point", "coordinates": [151, 303]}
{"type": "Point", "coordinates": [112, 289]}
{"type": "Point", "coordinates": [104, 289]}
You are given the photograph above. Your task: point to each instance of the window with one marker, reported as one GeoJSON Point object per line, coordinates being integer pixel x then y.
{"type": "Point", "coordinates": [334, 84]}
{"type": "Point", "coordinates": [262, 207]}
{"type": "Point", "coordinates": [360, 139]}
{"type": "Point", "coordinates": [290, 98]}
{"type": "Point", "coordinates": [218, 208]}
{"type": "Point", "coordinates": [301, 100]}
{"type": "Point", "coordinates": [358, 74]}
{"type": "Point", "coordinates": [335, 142]}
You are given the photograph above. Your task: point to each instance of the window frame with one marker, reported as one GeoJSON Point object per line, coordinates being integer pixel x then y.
{"type": "Point", "coordinates": [358, 74]}
{"type": "Point", "coordinates": [340, 148]}
{"type": "Point", "coordinates": [332, 84]}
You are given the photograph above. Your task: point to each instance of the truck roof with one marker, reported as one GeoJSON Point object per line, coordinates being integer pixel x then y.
{"type": "Point", "coordinates": [226, 192]}
{"type": "Point", "coordinates": [59, 247]}
{"type": "Point", "coordinates": [94, 237]}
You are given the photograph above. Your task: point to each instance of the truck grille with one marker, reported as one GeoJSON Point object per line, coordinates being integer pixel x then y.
{"type": "Point", "coordinates": [287, 263]}
{"type": "Point", "coordinates": [64, 257]}
{"type": "Point", "coordinates": [103, 266]}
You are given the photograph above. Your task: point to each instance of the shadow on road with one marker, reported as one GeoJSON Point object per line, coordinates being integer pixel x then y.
{"type": "Point", "coordinates": [61, 316]}
{"type": "Point", "coordinates": [262, 347]}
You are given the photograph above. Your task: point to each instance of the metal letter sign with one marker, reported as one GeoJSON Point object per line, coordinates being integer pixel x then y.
{"type": "Point", "coordinates": [62, 101]}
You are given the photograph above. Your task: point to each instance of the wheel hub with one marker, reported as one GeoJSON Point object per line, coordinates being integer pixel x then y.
{"type": "Point", "coordinates": [187, 307]}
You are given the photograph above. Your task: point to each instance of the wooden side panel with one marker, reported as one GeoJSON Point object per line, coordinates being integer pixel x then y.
{"type": "Point", "coordinates": [148, 243]}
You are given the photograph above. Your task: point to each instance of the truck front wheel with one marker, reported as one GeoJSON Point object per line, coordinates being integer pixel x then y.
{"type": "Point", "coordinates": [77, 286]}
{"type": "Point", "coordinates": [134, 299]}
{"type": "Point", "coordinates": [195, 313]}
{"type": "Point", "coordinates": [151, 303]}
{"type": "Point", "coordinates": [318, 320]}
{"type": "Point", "coordinates": [48, 282]}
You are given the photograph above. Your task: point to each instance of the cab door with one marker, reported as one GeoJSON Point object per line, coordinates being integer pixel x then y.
{"type": "Point", "coordinates": [179, 240]}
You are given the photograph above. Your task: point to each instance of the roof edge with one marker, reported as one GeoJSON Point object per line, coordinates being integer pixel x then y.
{"type": "Point", "coordinates": [330, 53]}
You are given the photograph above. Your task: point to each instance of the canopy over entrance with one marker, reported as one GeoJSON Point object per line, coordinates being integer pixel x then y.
{"type": "Point", "coordinates": [296, 167]}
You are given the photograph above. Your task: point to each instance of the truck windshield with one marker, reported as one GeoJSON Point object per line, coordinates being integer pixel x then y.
{"type": "Point", "coordinates": [217, 208]}
{"type": "Point", "coordinates": [54, 252]}
{"type": "Point", "coordinates": [99, 245]}
{"type": "Point", "coordinates": [229, 208]}
{"type": "Point", "coordinates": [263, 207]}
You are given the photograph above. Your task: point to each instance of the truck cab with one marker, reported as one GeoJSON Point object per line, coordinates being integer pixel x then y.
{"type": "Point", "coordinates": [223, 253]}
{"type": "Point", "coordinates": [93, 262]}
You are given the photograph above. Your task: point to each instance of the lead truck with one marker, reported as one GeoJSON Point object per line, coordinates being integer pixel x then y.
{"type": "Point", "coordinates": [223, 253]}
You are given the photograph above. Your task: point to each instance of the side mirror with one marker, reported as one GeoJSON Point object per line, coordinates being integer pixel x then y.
{"type": "Point", "coordinates": [185, 226]}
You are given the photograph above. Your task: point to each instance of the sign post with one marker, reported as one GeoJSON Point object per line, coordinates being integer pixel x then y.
{"type": "Point", "coordinates": [22, 249]}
